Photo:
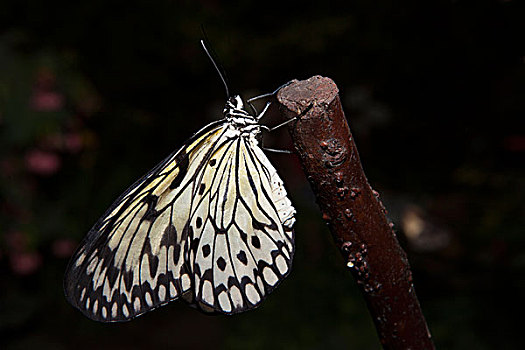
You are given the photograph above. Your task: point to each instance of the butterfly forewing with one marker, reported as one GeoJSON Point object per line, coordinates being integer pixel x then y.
{"type": "Point", "coordinates": [211, 223]}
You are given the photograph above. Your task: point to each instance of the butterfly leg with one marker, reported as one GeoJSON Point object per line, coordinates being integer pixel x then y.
{"type": "Point", "coordinates": [249, 101]}
{"type": "Point", "coordinates": [268, 94]}
{"type": "Point", "coordinates": [259, 117]}
{"type": "Point", "coordinates": [285, 151]}
{"type": "Point", "coordinates": [283, 124]}
{"type": "Point", "coordinates": [294, 118]}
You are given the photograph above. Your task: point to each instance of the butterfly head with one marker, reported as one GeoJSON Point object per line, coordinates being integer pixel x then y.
{"type": "Point", "coordinates": [236, 102]}
{"type": "Point", "coordinates": [235, 107]}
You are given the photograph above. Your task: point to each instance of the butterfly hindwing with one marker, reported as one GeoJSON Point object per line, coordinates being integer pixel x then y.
{"type": "Point", "coordinates": [243, 248]}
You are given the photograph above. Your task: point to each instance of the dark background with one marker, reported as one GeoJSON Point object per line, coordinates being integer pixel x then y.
{"type": "Point", "coordinates": [94, 93]}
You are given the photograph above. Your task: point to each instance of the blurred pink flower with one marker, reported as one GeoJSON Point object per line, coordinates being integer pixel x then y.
{"type": "Point", "coordinates": [25, 263]}
{"type": "Point", "coordinates": [63, 248]}
{"type": "Point", "coordinates": [73, 142]}
{"type": "Point", "coordinates": [42, 162]}
{"type": "Point", "coordinates": [46, 101]}
{"type": "Point", "coordinates": [45, 98]}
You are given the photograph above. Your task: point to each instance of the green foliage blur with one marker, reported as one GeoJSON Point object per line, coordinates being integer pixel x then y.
{"type": "Point", "coordinates": [93, 94]}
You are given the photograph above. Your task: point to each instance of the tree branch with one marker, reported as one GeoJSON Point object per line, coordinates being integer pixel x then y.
{"type": "Point", "coordinates": [353, 211]}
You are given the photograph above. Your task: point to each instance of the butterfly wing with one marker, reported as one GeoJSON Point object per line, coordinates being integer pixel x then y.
{"type": "Point", "coordinates": [132, 259]}
{"type": "Point", "coordinates": [242, 228]}
{"type": "Point", "coordinates": [211, 223]}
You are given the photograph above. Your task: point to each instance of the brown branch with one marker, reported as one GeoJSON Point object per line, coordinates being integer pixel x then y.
{"type": "Point", "coordinates": [353, 211]}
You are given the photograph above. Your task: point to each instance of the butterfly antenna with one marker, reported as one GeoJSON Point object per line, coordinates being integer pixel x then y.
{"type": "Point", "coordinates": [216, 68]}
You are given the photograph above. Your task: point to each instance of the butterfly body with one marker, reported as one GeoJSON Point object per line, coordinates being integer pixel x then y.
{"type": "Point", "coordinates": [211, 223]}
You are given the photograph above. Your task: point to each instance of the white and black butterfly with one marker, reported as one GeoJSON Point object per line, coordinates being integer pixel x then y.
{"type": "Point", "coordinates": [211, 223]}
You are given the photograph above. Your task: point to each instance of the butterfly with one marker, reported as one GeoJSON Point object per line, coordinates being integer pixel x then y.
{"type": "Point", "coordinates": [211, 224]}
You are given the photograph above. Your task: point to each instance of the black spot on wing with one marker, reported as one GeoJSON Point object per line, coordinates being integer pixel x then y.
{"type": "Point", "coordinates": [256, 242]}
{"type": "Point", "coordinates": [206, 250]}
{"type": "Point", "coordinates": [213, 162]}
{"type": "Point", "coordinates": [202, 187]}
{"type": "Point", "coordinates": [183, 161]}
{"type": "Point", "coordinates": [221, 263]}
{"type": "Point", "coordinates": [151, 201]}
{"type": "Point", "coordinates": [198, 222]}
{"type": "Point", "coordinates": [242, 257]}
{"type": "Point", "coordinates": [207, 275]}
{"type": "Point", "coordinates": [169, 237]}
{"type": "Point", "coordinates": [195, 244]}
{"type": "Point", "coordinates": [112, 275]}
{"type": "Point", "coordinates": [244, 237]}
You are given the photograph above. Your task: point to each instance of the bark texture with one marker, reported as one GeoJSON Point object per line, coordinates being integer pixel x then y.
{"type": "Point", "coordinates": [353, 211]}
